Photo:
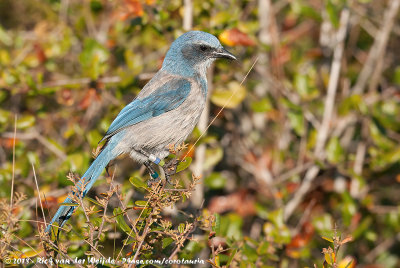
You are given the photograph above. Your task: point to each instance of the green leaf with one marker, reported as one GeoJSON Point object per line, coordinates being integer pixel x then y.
{"type": "Point", "coordinates": [69, 204]}
{"type": "Point", "coordinates": [75, 161]}
{"type": "Point", "coordinates": [350, 104]}
{"type": "Point", "coordinates": [5, 38]}
{"type": "Point", "coordinates": [263, 248]}
{"type": "Point", "coordinates": [296, 120]}
{"type": "Point", "coordinates": [261, 106]}
{"type": "Point", "coordinates": [4, 115]}
{"type": "Point", "coordinates": [213, 156]}
{"type": "Point", "coordinates": [250, 252]}
{"type": "Point", "coordinates": [217, 226]}
{"type": "Point", "coordinates": [334, 150]}
{"type": "Point", "coordinates": [230, 97]}
{"type": "Point", "coordinates": [327, 239]}
{"type": "Point", "coordinates": [25, 121]}
{"type": "Point", "coordinates": [184, 164]}
{"type": "Point", "coordinates": [93, 58]}
{"type": "Point", "coordinates": [217, 261]}
{"type": "Point", "coordinates": [121, 221]}
{"type": "Point", "coordinates": [93, 201]}
{"type": "Point", "coordinates": [166, 242]}
{"type": "Point", "coordinates": [332, 11]}
{"type": "Point", "coordinates": [231, 257]}
{"type": "Point", "coordinates": [141, 203]}
{"type": "Point", "coordinates": [215, 181]}
{"type": "Point", "coordinates": [138, 182]}
{"type": "Point", "coordinates": [231, 226]}
{"type": "Point", "coordinates": [396, 76]}
{"type": "Point", "coordinates": [181, 228]}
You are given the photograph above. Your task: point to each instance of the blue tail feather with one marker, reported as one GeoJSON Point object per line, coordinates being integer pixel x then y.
{"type": "Point", "coordinates": [86, 181]}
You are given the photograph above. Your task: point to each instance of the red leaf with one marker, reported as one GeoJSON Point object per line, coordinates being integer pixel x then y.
{"type": "Point", "coordinates": [300, 240]}
{"type": "Point", "coordinates": [90, 96]}
{"type": "Point", "coordinates": [40, 53]}
{"type": "Point", "coordinates": [242, 202]}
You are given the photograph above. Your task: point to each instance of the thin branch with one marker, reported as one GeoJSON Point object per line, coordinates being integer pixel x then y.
{"type": "Point", "coordinates": [13, 163]}
{"type": "Point", "coordinates": [287, 175]}
{"type": "Point", "coordinates": [35, 135]}
{"type": "Point", "coordinates": [382, 247]}
{"type": "Point", "coordinates": [200, 153]}
{"type": "Point", "coordinates": [80, 81]}
{"type": "Point", "coordinates": [188, 15]}
{"type": "Point", "coordinates": [327, 117]}
{"type": "Point", "coordinates": [40, 199]}
{"type": "Point", "coordinates": [377, 50]}
{"type": "Point", "coordinates": [179, 246]}
{"type": "Point", "coordinates": [105, 211]}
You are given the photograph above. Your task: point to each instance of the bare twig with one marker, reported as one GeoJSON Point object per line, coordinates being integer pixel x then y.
{"type": "Point", "coordinates": [80, 81]}
{"type": "Point", "coordinates": [200, 153]}
{"type": "Point", "coordinates": [358, 166]}
{"type": "Point", "coordinates": [40, 199]}
{"type": "Point", "coordinates": [179, 246]}
{"type": "Point", "coordinates": [377, 50]}
{"type": "Point", "coordinates": [327, 117]}
{"type": "Point", "coordinates": [63, 13]}
{"type": "Point", "coordinates": [382, 247]}
{"type": "Point", "coordinates": [104, 212]}
{"type": "Point", "coordinates": [188, 15]}
{"type": "Point", "coordinates": [35, 135]}
{"type": "Point", "coordinates": [149, 221]}
{"type": "Point", "coordinates": [264, 18]}
{"type": "Point", "coordinates": [13, 163]}
{"type": "Point", "coordinates": [66, 256]}
{"type": "Point", "coordinates": [287, 175]}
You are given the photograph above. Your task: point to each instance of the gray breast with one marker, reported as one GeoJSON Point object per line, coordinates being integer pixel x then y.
{"type": "Point", "coordinates": [156, 134]}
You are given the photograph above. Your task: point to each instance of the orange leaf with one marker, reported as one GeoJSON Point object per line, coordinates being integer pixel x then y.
{"type": "Point", "coordinates": [90, 96]}
{"type": "Point", "coordinates": [189, 152]}
{"type": "Point", "coordinates": [65, 97]}
{"type": "Point", "coordinates": [300, 240]}
{"type": "Point", "coordinates": [234, 37]}
{"type": "Point", "coordinates": [134, 7]}
{"type": "Point", "coordinates": [347, 262]}
{"type": "Point", "coordinates": [40, 53]}
{"type": "Point", "coordinates": [8, 142]}
{"type": "Point", "coordinates": [346, 240]}
{"type": "Point", "coordinates": [242, 202]}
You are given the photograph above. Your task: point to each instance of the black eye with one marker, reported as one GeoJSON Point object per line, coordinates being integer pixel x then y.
{"type": "Point", "coordinates": [204, 48]}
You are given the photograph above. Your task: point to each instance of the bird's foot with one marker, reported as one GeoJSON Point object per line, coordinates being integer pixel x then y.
{"type": "Point", "coordinates": [151, 182]}
{"type": "Point", "coordinates": [170, 169]}
{"type": "Point", "coordinates": [155, 178]}
{"type": "Point", "coordinates": [170, 166]}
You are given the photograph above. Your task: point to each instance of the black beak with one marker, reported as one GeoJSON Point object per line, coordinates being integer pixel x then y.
{"type": "Point", "coordinates": [223, 53]}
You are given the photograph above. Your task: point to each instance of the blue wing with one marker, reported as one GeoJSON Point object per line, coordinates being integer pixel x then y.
{"type": "Point", "coordinates": [166, 98]}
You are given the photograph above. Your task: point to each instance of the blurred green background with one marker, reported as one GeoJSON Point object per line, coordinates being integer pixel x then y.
{"type": "Point", "coordinates": [308, 142]}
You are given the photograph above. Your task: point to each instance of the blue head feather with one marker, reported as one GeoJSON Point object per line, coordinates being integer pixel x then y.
{"type": "Point", "coordinates": [192, 53]}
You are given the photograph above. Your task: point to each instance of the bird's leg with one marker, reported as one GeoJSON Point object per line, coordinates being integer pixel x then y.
{"type": "Point", "coordinates": [154, 175]}
{"type": "Point", "coordinates": [169, 168]}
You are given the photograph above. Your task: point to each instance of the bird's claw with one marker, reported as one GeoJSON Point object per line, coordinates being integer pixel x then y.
{"type": "Point", "coordinates": [169, 170]}
{"type": "Point", "coordinates": [170, 166]}
{"type": "Point", "coordinates": [152, 181]}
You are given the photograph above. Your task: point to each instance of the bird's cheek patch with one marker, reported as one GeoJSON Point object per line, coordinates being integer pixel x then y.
{"type": "Point", "coordinates": [187, 52]}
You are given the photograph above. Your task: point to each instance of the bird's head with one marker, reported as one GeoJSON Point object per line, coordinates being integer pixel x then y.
{"type": "Point", "coordinates": [194, 51]}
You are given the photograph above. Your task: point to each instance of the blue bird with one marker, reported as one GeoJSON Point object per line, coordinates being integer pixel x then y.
{"type": "Point", "coordinates": [164, 112]}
